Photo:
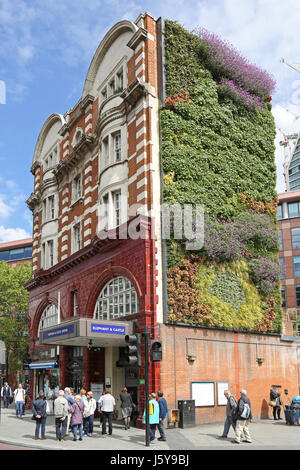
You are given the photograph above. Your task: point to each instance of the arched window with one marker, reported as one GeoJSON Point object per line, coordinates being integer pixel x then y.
{"type": "Point", "coordinates": [49, 317]}
{"type": "Point", "coordinates": [117, 299]}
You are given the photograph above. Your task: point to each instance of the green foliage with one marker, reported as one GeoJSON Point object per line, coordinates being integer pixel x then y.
{"type": "Point", "coordinates": [13, 311]}
{"type": "Point", "coordinates": [213, 150]}
{"type": "Point", "coordinates": [227, 288]}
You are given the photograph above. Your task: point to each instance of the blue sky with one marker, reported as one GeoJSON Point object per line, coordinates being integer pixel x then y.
{"type": "Point", "coordinates": [46, 49]}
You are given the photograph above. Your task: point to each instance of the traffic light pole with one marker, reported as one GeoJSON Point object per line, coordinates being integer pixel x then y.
{"type": "Point", "coordinates": [147, 337]}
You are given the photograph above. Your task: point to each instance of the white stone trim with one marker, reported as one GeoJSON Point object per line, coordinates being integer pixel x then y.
{"type": "Point", "coordinates": [139, 57]}
{"type": "Point", "coordinates": [142, 195]}
{"type": "Point", "coordinates": [140, 132]}
{"type": "Point", "coordinates": [141, 183]}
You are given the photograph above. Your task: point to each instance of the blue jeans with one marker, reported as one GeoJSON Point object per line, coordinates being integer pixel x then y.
{"type": "Point", "coordinates": [19, 407]}
{"type": "Point", "coordinates": [75, 430]}
{"type": "Point", "coordinates": [88, 424]}
{"type": "Point", "coordinates": [40, 423]}
{"type": "Point", "coordinates": [228, 422]}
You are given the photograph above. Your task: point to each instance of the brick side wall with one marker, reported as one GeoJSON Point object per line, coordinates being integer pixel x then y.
{"type": "Point", "coordinates": [222, 356]}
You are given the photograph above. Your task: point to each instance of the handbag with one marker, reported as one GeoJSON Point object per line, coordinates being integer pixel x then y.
{"type": "Point", "coordinates": [33, 417]}
{"type": "Point", "coordinates": [272, 403]}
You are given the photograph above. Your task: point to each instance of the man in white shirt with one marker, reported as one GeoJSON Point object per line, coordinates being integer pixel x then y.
{"type": "Point", "coordinates": [19, 397]}
{"type": "Point", "coordinates": [107, 404]}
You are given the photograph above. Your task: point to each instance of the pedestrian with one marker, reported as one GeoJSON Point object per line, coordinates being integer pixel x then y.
{"type": "Point", "coordinates": [275, 402]}
{"type": "Point", "coordinates": [83, 394]}
{"type": "Point", "coordinates": [153, 417]}
{"type": "Point", "coordinates": [243, 417]}
{"type": "Point", "coordinates": [19, 398]}
{"type": "Point", "coordinates": [163, 411]}
{"type": "Point", "coordinates": [127, 407]}
{"type": "Point", "coordinates": [70, 399]}
{"type": "Point", "coordinates": [88, 414]}
{"type": "Point", "coordinates": [6, 394]}
{"type": "Point", "coordinates": [76, 411]}
{"type": "Point", "coordinates": [39, 412]}
{"type": "Point", "coordinates": [230, 414]}
{"type": "Point", "coordinates": [107, 405]}
{"type": "Point", "coordinates": [61, 413]}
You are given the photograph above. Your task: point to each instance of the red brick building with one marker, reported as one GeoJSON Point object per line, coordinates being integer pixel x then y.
{"type": "Point", "coordinates": [98, 271]}
{"type": "Point", "coordinates": [93, 169]}
{"type": "Point", "coordinates": [289, 256]}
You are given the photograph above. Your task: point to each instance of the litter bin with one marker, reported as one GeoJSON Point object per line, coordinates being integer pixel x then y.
{"type": "Point", "coordinates": [292, 414]}
{"type": "Point", "coordinates": [186, 413]}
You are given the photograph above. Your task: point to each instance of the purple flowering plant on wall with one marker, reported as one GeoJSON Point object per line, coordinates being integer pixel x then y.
{"type": "Point", "coordinates": [235, 72]}
{"type": "Point", "coordinates": [265, 273]}
{"type": "Point", "coordinates": [232, 240]}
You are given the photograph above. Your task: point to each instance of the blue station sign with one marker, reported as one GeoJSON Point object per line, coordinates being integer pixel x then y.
{"type": "Point", "coordinates": [108, 329]}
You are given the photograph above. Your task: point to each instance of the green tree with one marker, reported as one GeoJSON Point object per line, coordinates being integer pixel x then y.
{"type": "Point", "coordinates": [14, 312]}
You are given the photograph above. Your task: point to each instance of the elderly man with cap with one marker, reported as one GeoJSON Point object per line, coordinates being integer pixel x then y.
{"type": "Point", "coordinates": [243, 417]}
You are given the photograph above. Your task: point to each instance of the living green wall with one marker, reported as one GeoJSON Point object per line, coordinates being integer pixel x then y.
{"type": "Point", "coordinates": [219, 153]}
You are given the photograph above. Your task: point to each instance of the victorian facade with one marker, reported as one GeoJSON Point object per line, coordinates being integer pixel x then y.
{"type": "Point", "coordinates": [96, 262]}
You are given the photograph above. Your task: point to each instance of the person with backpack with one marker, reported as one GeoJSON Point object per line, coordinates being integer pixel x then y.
{"type": "Point", "coordinates": [61, 413]}
{"type": "Point", "coordinates": [230, 414]}
{"type": "Point", "coordinates": [243, 417]}
{"type": "Point", "coordinates": [19, 398]}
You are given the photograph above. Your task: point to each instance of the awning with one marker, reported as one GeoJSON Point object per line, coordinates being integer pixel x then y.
{"type": "Point", "coordinates": [87, 331]}
{"type": "Point", "coordinates": [42, 365]}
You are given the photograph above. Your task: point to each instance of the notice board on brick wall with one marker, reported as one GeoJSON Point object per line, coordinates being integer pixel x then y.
{"type": "Point", "coordinates": [203, 393]}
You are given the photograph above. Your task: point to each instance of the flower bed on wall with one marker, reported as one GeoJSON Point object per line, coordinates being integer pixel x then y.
{"type": "Point", "coordinates": [218, 150]}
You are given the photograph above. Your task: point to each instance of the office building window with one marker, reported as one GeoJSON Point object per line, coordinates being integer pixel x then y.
{"type": "Point", "coordinates": [283, 295]}
{"type": "Point", "coordinates": [279, 212]}
{"type": "Point", "coordinates": [295, 232]}
{"type": "Point", "coordinates": [280, 240]}
{"type": "Point", "coordinates": [297, 295]}
{"type": "Point", "coordinates": [293, 209]}
{"type": "Point", "coordinates": [281, 262]}
{"type": "Point", "coordinates": [296, 261]}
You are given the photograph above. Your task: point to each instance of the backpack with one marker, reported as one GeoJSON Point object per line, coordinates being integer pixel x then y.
{"type": "Point", "coordinates": [246, 411]}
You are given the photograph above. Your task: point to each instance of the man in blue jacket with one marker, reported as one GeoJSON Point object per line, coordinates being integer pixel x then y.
{"type": "Point", "coordinates": [163, 411]}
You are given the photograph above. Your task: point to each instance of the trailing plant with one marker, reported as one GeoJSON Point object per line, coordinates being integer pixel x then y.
{"type": "Point", "coordinates": [265, 274]}
{"type": "Point", "coordinates": [218, 151]}
{"type": "Point", "coordinates": [226, 61]}
{"type": "Point", "coordinates": [259, 206]}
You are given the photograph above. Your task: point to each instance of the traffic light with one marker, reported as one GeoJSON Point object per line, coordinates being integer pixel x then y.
{"type": "Point", "coordinates": [155, 350]}
{"type": "Point", "coordinates": [133, 349]}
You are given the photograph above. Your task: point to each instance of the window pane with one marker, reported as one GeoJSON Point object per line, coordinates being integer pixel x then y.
{"type": "Point", "coordinates": [116, 299]}
{"type": "Point", "coordinates": [293, 209]}
{"type": "Point", "coordinates": [297, 293]}
{"type": "Point", "coordinates": [296, 266]}
{"type": "Point", "coordinates": [280, 240]}
{"type": "Point", "coordinates": [279, 212]}
{"type": "Point", "coordinates": [295, 238]}
{"type": "Point", "coordinates": [283, 295]}
{"type": "Point", "coordinates": [281, 262]}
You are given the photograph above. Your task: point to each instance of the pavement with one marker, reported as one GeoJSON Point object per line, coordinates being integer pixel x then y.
{"type": "Point", "coordinates": [266, 435]}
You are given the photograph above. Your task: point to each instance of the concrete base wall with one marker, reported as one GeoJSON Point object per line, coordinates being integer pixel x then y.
{"type": "Point", "coordinates": [224, 356]}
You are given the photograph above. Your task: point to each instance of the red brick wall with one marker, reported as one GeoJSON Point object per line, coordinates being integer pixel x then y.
{"type": "Point", "coordinates": [223, 356]}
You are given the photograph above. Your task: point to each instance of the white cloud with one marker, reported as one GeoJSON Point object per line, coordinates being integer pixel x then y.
{"type": "Point", "coordinates": [11, 234]}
